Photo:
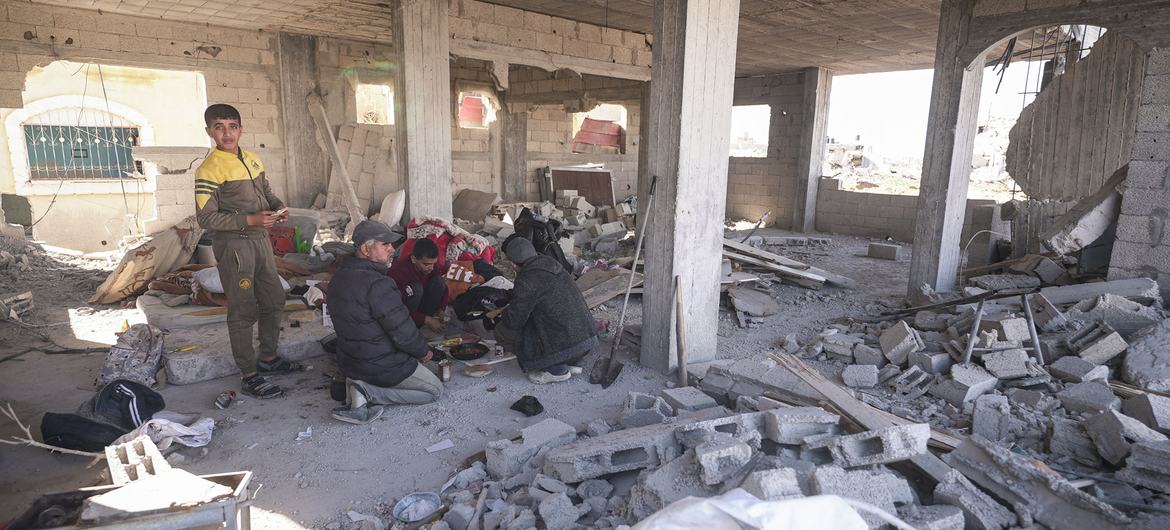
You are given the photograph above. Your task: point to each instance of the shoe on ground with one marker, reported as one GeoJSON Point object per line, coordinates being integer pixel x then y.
{"type": "Point", "coordinates": [279, 365]}
{"type": "Point", "coordinates": [358, 416]}
{"type": "Point", "coordinates": [543, 377]}
{"type": "Point", "coordinates": [258, 387]}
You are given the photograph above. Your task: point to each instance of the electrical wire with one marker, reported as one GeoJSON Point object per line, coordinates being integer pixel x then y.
{"type": "Point", "coordinates": [80, 113]}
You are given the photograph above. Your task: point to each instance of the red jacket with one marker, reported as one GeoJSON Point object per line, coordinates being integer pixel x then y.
{"type": "Point", "coordinates": [404, 274]}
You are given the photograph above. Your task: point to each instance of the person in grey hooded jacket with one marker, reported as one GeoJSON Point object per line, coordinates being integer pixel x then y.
{"type": "Point", "coordinates": [547, 323]}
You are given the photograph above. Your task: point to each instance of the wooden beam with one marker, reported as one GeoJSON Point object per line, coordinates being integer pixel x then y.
{"type": "Point", "coordinates": [317, 111]}
{"type": "Point", "coordinates": [830, 277]}
{"type": "Point", "coordinates": [487, 51]}
{"type": "Point", "coordinates": [799, 277]}
{"type": "Point", "coordinates": [813, 132]}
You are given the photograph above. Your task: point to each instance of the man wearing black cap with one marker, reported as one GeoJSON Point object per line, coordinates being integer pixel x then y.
{"type": "Point", "coordinates": [547, 324]}
{"type": "Point", "coordinates": [379, 349]}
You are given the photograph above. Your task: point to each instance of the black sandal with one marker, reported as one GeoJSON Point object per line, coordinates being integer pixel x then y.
{"type": "Point", "coordinates": [279, 365]}
{"type": "Point", "coordinates": [259, 387]}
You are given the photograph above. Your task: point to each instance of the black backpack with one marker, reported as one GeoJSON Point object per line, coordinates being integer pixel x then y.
{"type": "Point", "coordinates": [544, 233]}
{"type": "Point", "coordinates": [118, 408]}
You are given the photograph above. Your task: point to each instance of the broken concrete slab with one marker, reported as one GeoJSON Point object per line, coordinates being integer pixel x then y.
{"type": "Point", "coordinates": [899, 341]}
{"type": "Point", "coordinates": [1047, 316]}
{"type": "Point", "coordinates": [881, 446]}
{"type": "Point", "coordinates": [756, 377]}
{"type": "Point", "coordinates": [675, 480]}
{"type": "Point", "coordinates": [1113, 433]}
{"type": "Point", "coordinates": [641, 410]}
{"type": "Point", "coordinates": [999, 282]}
{"type": "Point", "coordinates": [860, 376]}
{"type": "Point", "coordinates": [1143, 290]}
{"type": "Point", "coordinates": [557, 511]}
{"type": "Point", "coordinates": [790, 426]}
{"type": "Point", "coordinates": [1073, 369]}
{"type": "Point", "coordinates": [1009, 364]}
{"type": "Point", "coordinates": [993, 418]}
{"type": "Point", "coordinates": [506, 458]}
{"type": "Point", "coordinates": [1067, 438]}
{"type": "Point", "coordinates": [1123, 315]}
{"type": "Point", "coordinates": [1147, 363]}
{"type": "Point", "coordinates": [930, 321]}
{"type": "Point", "coordinates": [1009, 328]}
{"type": "Point", "coordinates": [1088, 219]}
{"type": "Point", "coordinates": [933, 517]}
{"type": "Point", "coordinates": [687, 398]}
{"type": "Point", "coordinates": [1030, 487]}
{"type": "Point", "coordinates": [966, 383]}
{"type": "Point", "coordinates": [1088, 398]}
{"type": "Point", "coordinates": [1151, 409]}
{"type": "Point", "coordinates": [865, 354]}
{"type": "Point", "coordinates": [1096, 342]}
{"type": "Point", "coordinates": [773, 484]}
{"type": "Point", "coordinates": [1148, 466]}
{"type": "Point", "coordinates": [752, 302]}
{"type": "Point", "coordinates": [471, 204]}
{"type": "Point", "coordinates": [720, 457]}
{"type": "Point", "coordinates": [879, 488]}
{"type": "Point", "coordinates": [840, 346]}
{"type": "Point", "coordinates": [885, 251]}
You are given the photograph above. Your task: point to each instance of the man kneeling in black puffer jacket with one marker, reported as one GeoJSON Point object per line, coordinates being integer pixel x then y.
{"type": "Point", "coordinates": [379, 349]}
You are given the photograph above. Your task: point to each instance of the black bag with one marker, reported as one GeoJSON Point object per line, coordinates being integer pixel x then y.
{"type": "Point", "coordinates": [72, 431]}
{"type": "Point", "coordinates": [123, 403]}
{"type": "Point", "coordinates": [544, 234]}
{"type": "Point", "coordinates": [479, 300]}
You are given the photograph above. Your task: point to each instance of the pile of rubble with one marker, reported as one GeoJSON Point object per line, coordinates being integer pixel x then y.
{"type": "Point", "coordinates": [588, 227]}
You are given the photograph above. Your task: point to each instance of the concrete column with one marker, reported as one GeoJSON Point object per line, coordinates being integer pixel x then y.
{"type": "Point", "coordinates": [946, 164]}
{"type": "Point", "coordinates": [689, 119]}
{"type": "Point", "coordinates": [813, 133]}
{"type": "Point", "coordinates": [422, 100]}
{"type": "Point", "coordinates": [515, 140]}
{"type": "Point", "coordinates": [307, 168]}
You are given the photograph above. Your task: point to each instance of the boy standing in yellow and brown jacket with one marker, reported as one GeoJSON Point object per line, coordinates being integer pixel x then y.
{"type": "Point", "coordinates": [234, 201]}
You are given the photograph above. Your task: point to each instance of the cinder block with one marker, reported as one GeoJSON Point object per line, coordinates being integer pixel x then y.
{"type": "Point", "coordinates": [899, 341]}
{"type": "Point", "coordinates": [885, 251]}
{"type": "Point", "coordinates": [860, 376]}
{"type": "Point", "coordinates": [1150, 409]}
{"type": "Point", "coordinates": [1012, 329]}
{"type": "Point", "coordinates": [879, 488]}
{"type": "Point", "coordinates": [1010, 364]}
{"type": "Point", "coordinates": [979, 510]}
{"type": "Point", "coordinates": [644, 409]}
{"type": "Point", "coordinates": [881, 446]}
{"type": "Point", "coordinates": [720, 457]}
{"type": "Point", "coordinates": [1147, 466]}
{"type": "Point", "coordinates": [840, 346]}
{"type": "Point", "coordinates": [1113, 433]}
{"type": "Point", "coordinates": [505, 458]}
{"type": "Point", "coordinates": [910, 384]}
{"type": "Point", "coordinates": [687, 399]}
{"type": "Point", "coordinates": [773, 484]}
{"type": "Point", "coordinates": [1097, 343]}
{"type": "Point", "coordinates": [992, 418]}
{"type": "Point", "coordinates": [931, 362]}
{"type": "Point", "coordinates": [1090, 397]}
{"type": "Point", "coordinates": [790, 426]}
{"type": "Point", "coordinates": [864, 354]}
{"type": "Point", "coordinates": [967, 382]}
{"type": "Point", "coordinates": [1073, 369]}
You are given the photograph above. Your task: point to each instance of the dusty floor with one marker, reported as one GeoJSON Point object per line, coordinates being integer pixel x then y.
{"type": "Point", "coordinates": [344, 467]}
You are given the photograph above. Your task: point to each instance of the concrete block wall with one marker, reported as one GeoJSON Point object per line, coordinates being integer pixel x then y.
{"type": "Point", "coordinates": [470, 19]}
{"type": "Point", "coordinates": [1142, 248]}
{"type": "Point", "coordinates": [174, 200]}
{"type": "Point", "coordinates": [876, 215]}
{"type": "Point", "coordinates": [756, 185]}
{"type": "Point", "coordinates": [471, 157]}
{"type": "Point", "coordinates": [550, 135]}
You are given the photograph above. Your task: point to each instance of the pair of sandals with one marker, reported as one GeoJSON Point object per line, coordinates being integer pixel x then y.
{"type": "Point", "coordinates": [259, 387]}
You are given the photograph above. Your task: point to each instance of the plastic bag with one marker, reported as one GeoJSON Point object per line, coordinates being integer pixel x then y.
{"type": "Point", "coordinates": [738, 509]}
{"type": "Point", "coordinates": [209, 279]}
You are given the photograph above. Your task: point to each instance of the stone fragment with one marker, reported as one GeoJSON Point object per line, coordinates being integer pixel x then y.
{"type": "Point", "coordinates": [594, 488]}
{"type": "Point", "coordinates": [687, 398]}
{"type": "Point", "coordinates": [1067, 438]}
{"type": "Point", "coordinates": [1024, 397]}
{"type": "Point", "coordinates": [1147, 362]}
{"type": "Point", "coordinates": [1113, 433]}
{"type": "Point", "coordinates": [790, 426]}
{"type": "Point", "coordinates": [458, 516]}
{"type": "Point", "coordinates": [557, 511]}
{"type": "Point", "coordinates": [860, 376]}
{"type": "Point", "coordinates": [931, 362]}
{"type": "Point", "coordinates": [1009, 364]}
{"type": "Point", "coordinates": [598, 427]}
{"type": "Point", "coordinates": [864, 354]}
{"type": "Point", "coordinates": [1089, 398]}
{"type": "Point", "coordinates": [505, 458]}
{"type": "Point", "coordinates": [980, 511]}
{"type": "Point", "coordinates": [899, 341]}
{"type": "Point", "coordinates": [1097, 343]}
{"type": "Point", "coordinates": [643, 409]}
{"type": "Point", "coordinates": [1151, 409]}
{"type": "Point", "coordinates": [881, 446]}
{"type": "Point", "coordinates": [524, 520]}
{"type": "Point", "coordinates": [840, 346]}
{"type": "Point", "coordinates": [1073, 369]}
{"type": "Point", "coordinates": [966, 383]}
{"type": "Point", "coordinates": [1010, 329]}
{"type": "Point", "coordinates": [773, 484]}
{"type": "Point", "coordinates": [720, 457]}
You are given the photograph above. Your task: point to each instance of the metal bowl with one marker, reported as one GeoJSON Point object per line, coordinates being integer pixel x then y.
{"type": "Point", "coordinates": [469, 351]}
{"type": "Point", "coordinates": [417, 506]}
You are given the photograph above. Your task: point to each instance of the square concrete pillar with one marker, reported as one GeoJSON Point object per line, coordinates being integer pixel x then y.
{"type": "Point", "coordinates": [685, 144]}
{"type": "Point", "coordinates": [422, 101]}
{"type": "Point", "coordinates": [946, 164]}
{"type": "Point", "coordinates": [813, 134]}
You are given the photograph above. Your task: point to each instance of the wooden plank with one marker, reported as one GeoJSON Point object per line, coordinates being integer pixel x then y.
{"type": "Point", "coordinates": [608, 289]}
{"type": "Point", "coordinates": [799, 277]}
{"type": "Point", "coordinates": [830, 277]}
{"type": "Point", "coordinates": [861, 413]}
{"type": "Point", "coordinates": [317, 110]}
{"type": "Point", "coordinates": [487, 51]}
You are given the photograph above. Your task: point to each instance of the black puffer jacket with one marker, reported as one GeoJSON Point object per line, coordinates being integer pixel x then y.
{"type": "Point", "coordinates": [547, 321]}
{"type": "Point", "coordinates": [377, 342]}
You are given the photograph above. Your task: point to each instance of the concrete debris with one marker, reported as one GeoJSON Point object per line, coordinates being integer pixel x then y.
{"type": "Point", "coordinates": [899, 341]}
{"type": "Point", "coordinates": [865, 354]}
{"type": "Point", "coordinates": [1074, 369]}
{"type": "Point", "coordinates": [1148, 466]}
{"type": "Point", "coordinates": [1068, 439]}
{"type": "Point", "coordinates": [1096, 342]}
{"type": "Point", "coordinates": [1141, 290]}
{"type": "Point", "coordinates": [1010, 364]}
{"type": "Point", "coordinates": [557, 511]}
{"type": "Point", "coordinates": [930, 321]}
{"type": "Point", "coordinates": [791, 426]}
{"type": "Point", "coordinates": [506, 458]}
{"type": "Point", "coordinates": [598, 427]}
{"type": "Point", "coordinates": [1151, 409]}
{"type": "Point", "coordinates": [879, 488]}
{"type": "Point", "coordinates": [980, 511]}
{"type": "Point", "coordinates": [1113, 433]}
{"type": "Point", "coordinates": [966, 383]}
{"type": "Point", "coordinates": [1121, 314]}
{"type": "Point", "coordinates": [594, 488]}
{"type": "Point", "coordinates": [1088, 398]}
{"type": "Point", "coordinates": [1147, 363]}
{"type": "Point", "coordinates": [1031, 489]}
{"type": "Point", "coordinates": [860, 376]}
{"type": "Point", "coordinates": [644, 409]}
{"type": "Point", "coordinates": [885, 251]}
{"type": "Point", "coordinates": [720, 458]}
{"type": "Point", "coordinates": [773, 484]}
{"type": "Point", "coordinates": [933, 517]}
{"type": "Point", "coordinates": [932, 362]}
{"type": "Point", "coordinates": [840, 346]}
{"type": "Point", "coordinates": [673, 481]}
{"type": "Point", "coordinates": [882, 446]}
{"type": "Point", "coordinates": [1047, 316]}
{"type": "Point", "coordinates": [687, 399]}
{"type": "Point", "coordinates": [912, 383]}
{"type": "Point", "coordinates": [1011, 329]}
{"type": "Point", "coordinates": [993, 418]}
{"type": "Point", "coordinates": [999, 282]}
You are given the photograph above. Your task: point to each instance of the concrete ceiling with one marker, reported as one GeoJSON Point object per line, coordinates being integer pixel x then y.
{"type": "Point", "coordinates": [847, 36]}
